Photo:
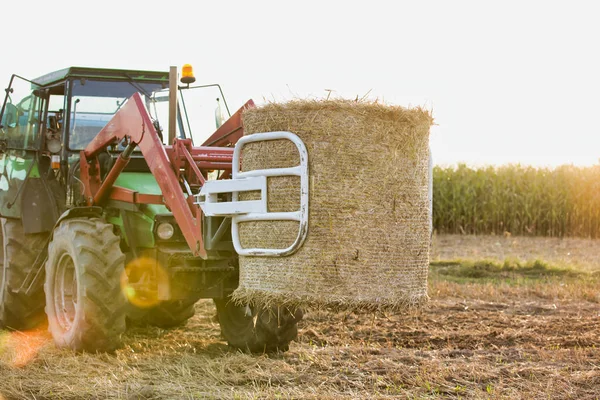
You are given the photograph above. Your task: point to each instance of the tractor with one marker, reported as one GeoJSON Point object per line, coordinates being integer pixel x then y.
{"type": "Point", "coordinates": [103, 224]}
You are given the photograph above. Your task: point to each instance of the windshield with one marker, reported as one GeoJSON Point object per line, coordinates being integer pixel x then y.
{"type": "Point", "coordinates": [202, 110]}
{"type": "Point", "coordinates": [93, 104]}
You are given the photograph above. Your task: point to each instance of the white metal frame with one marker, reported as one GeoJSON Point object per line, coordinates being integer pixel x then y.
{"type": "Point", "coordinates": [256, 210]}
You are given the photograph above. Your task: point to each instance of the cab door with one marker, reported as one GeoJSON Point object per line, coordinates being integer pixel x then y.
{"type": "Point", "coordinates": [29, 190]}
{"type": "Point", "coordinates": [20, 127]}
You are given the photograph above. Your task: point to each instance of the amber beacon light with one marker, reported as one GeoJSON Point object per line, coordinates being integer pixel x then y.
{"type": "Point", "coordinates": [187, 74]}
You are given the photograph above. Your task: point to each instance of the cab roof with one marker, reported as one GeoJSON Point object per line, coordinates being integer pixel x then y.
{"type": "Point", "coordinates": [100, 73]}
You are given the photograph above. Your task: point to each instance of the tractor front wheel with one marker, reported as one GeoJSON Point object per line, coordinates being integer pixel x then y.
{"type": "Point", "coordinates": [257, 330]}
{"type": "Point", "coordinates": [85, 305]}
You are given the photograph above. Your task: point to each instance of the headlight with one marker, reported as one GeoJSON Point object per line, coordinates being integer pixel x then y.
{"type": "Point", "coordinates": [54, 145]}
{"type": "Point", "coordinates": [165, 231]}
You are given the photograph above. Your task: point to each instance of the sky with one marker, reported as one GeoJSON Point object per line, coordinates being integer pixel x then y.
{"type": "Point", "coordinates": [506, 81]}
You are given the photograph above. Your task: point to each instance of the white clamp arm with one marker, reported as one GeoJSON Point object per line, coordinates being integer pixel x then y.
{"type": "Point", "coordinates": [256, 210]}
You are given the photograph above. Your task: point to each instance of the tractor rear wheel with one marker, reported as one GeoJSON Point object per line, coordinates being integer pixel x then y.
{"type": "Point", "coordinates": [18, 309]}
{"type": "Point", "coordinates": [85, 304]}
{"type": "Point", "coordinates": [257, 330]}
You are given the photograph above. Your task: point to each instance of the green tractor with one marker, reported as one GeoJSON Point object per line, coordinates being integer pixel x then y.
{"type": "Point", "coordinates": [100, 227]}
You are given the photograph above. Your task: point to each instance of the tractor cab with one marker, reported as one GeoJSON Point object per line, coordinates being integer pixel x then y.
{"type": "Point", "coordinates": [46, 122]}
{"type": "Point", "coordinates": [73, 104]}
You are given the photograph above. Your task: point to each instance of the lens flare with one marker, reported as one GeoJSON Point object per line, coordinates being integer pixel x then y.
{"type": "Point", "coordinates": [140, 281]}
{"type": "Point", "coordinates": [3, 342]}
{"type": "Point", "coordinates": [20, 348]}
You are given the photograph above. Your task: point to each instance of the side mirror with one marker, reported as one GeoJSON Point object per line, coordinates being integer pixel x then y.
{"type": "Point", "coordinates": [219, 116]}
{"type": "Point", "coordinates": [10, 116]}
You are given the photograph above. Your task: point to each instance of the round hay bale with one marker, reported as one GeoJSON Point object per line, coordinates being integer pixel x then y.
{"type": "Point", "coordinates": [369, 220]}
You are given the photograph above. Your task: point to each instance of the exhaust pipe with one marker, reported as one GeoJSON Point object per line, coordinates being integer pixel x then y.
{"type": "Point", "coordinates": [173, 86]}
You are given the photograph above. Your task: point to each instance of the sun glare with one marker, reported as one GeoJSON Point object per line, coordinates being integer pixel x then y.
{"type": "Point", "coordinates": [18, 349]}
{"type": "Point", "coordinates": [139, 281]}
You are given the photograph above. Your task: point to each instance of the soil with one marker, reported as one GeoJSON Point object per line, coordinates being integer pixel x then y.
{"type": "Point", "coordinates": [475, 340]}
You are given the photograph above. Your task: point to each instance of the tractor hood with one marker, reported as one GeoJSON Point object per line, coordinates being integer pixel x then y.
{"type": "Point", "coordinates": [143, 183]}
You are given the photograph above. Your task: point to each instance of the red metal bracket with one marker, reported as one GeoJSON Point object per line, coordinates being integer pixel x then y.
{"type": "Point", "coordinates": [131, 196]}
{"type": "Point", "coordinates": [90, 176]}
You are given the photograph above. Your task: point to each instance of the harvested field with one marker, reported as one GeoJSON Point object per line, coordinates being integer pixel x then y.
{"type": "Point", "coordinates": [496, 331]}
{"type": "Point", "coordinates": [579, 253]}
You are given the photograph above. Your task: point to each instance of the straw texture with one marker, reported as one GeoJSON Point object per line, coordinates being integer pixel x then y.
{"type": "Point", "coordinates": [368, 235]}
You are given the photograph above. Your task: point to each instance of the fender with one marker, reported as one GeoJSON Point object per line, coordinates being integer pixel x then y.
{"type": "Point", "coordinates": [78, 212]}
{"type": "Point", "coordinates": [41, 203]}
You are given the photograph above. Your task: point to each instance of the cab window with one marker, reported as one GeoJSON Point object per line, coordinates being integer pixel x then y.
{"type": "Point", "coordinates": [22, 115]}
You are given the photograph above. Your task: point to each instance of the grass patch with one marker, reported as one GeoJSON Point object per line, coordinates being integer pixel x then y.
{"type": "Point", "coordinates": [509, 271]}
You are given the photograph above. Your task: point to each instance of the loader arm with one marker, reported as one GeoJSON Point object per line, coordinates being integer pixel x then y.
{"type": "Point", "coordinates": [172, 167]}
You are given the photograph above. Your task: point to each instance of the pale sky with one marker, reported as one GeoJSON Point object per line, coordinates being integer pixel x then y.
{"type": "Point", "coordinates": [508, 81]}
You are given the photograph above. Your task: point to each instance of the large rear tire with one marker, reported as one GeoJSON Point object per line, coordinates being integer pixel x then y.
{"type": "Point", "coordinates": [85, 304]}
{"type": "Point", "coordinates": [257, 330]}
{"type": "Point", "coordinates": [18, 309]}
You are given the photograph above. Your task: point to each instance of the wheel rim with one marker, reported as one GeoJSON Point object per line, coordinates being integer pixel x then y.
{"type": "Point", "coordinates": [65, 292]}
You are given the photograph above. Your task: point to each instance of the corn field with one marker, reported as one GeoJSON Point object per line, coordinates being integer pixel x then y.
{"type": "Point", "coordinates": [520, 200]}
